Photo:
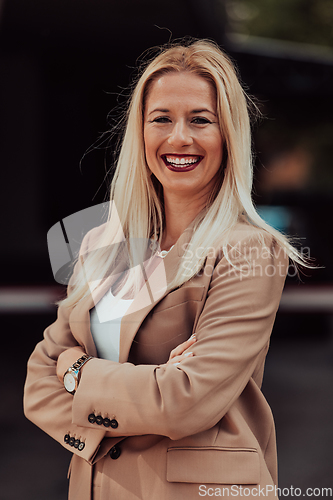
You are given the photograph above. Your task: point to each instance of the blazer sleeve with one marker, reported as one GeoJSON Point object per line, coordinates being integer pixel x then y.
{"type": "Point", "coordinates": [46, 402]}
{"type": "Point", "coordinates": [232, 331]}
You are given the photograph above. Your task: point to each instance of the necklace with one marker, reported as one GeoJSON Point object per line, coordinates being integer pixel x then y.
{"type": "Point", "coordinates": [161, 253]}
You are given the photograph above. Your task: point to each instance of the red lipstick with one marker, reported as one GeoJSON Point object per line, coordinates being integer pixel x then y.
{"type": "Point", "coordinates": [181, 166]}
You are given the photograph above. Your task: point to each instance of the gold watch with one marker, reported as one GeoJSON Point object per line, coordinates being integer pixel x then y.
{"type": "Point", "coordinates": [71, 376]}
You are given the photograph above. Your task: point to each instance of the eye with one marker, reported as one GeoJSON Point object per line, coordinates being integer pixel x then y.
{"type": "Point", "coordinates": [160, 119]}
{"type": "Point", "coordinates": [201, 120]}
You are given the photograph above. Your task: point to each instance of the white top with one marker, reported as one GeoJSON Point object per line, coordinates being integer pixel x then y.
{"type": "Point", "coordinates": [105, 319]}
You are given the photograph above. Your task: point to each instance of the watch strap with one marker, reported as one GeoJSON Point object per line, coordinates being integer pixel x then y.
{"type": "Point", "coordinates": [80, 362]}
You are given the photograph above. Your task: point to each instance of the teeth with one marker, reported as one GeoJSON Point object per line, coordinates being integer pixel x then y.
{"type": "Point", "coordinates": [174, 160]}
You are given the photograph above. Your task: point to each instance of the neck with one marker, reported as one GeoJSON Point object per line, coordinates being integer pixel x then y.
{"type": "Point", "coordinates": [179, 213]}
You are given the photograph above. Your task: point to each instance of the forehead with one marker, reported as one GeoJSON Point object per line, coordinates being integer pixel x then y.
{"type": "Point", "coordinates": [181, 88]}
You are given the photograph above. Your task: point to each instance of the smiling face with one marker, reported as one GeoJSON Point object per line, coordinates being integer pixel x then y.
{"type": "Point", "coordinates": [183, 142]}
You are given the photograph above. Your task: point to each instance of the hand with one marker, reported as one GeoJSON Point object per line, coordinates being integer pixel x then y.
{"type": "Point", "coordinates": [66, 359]}
{"type": "Point", "coordinates": [179, 353]}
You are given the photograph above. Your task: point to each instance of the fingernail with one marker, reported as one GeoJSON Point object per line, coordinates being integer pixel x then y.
{"type": "Point", "coordinates": [188, 354]}
{"type": "Point", "coordinates": [192, 337]}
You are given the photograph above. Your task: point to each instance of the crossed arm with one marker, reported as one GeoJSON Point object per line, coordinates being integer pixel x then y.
{"type": "Point", "coordinates": [68, 357]}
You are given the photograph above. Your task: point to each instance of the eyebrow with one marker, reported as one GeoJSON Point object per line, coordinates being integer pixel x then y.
{"type": "Point", "coordinates": [195, 111]}
{"type": "Point", "coordinates": [203, 110]}
{"type": "Point", "coordinates": [160, 110]}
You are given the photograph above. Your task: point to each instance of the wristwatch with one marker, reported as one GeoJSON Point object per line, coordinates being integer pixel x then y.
{"type": "Point", "coordinates": [71, 377]}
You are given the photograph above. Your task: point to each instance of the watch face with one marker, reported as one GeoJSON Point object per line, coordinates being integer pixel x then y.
{"type": "Point", "coordinates": [69, 382]}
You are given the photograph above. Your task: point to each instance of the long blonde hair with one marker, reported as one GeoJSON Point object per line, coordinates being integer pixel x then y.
{"type": "Point", "coordinates": [137, 194]}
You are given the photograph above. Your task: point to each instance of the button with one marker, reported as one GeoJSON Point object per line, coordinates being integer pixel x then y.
{"type": "Point", "coordinates": [114, 423]}
{"type": "Point", "coordinates": [106, 422]}
{"type": "Point", "coordinates": [81, 446]}
{"type": "Point", "coordinates": [99, 420]}
{"type": "Point", "coordinates": [76, 443]}
{"type": "Point", "coordinates": [92, 418]}
{"type": "Point", "coordinates": [115, 452]}
{"type": "Point", "coordinates": [71, 441]}
{"type": "Point", "coordinates": [67, 438]}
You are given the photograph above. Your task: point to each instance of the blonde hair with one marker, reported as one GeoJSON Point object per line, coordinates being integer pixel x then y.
{"type": "Point", "coordinates": [137, 194]}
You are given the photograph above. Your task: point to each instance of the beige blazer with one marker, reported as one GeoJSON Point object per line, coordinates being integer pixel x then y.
{"type": "Point", "coordinates": [141, 430]}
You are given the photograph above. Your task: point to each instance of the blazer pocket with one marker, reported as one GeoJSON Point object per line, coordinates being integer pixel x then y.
{"type": "Point", "coordinates": [179, 296]}
{"type": "Point", "coordinates": [213, 464]}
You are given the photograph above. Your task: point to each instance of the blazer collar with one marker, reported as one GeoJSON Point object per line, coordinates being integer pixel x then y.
{"type": "Point", "coordinates": [150, 294]}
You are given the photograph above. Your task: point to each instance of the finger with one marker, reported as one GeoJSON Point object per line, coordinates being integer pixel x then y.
{"type": "Point", "coordinates": [179, 358]}
{"type": "Point", "coordinates": [183, 346]}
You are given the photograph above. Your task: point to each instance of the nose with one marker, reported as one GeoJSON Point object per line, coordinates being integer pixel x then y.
{"type": "Point", "coordinates": [180, 135]}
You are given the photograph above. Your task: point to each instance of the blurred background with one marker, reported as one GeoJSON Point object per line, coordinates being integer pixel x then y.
{"type": "Point", "coordinates": [65, 68]}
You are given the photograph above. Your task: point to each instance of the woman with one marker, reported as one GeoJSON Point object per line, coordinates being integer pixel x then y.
{"type": "Point", "coordinates": [161, 413]}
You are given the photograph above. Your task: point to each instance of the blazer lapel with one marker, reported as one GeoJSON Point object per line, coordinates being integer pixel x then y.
{"type": "Point", "coordinates": [151, 293]}
{"type": "Point", "coordinates": [155, 288]}
{"type": "Point", "coordinates": [79, 319]}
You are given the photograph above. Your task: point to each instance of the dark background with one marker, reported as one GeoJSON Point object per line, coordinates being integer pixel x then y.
{"type": "Point", "coordinates": [64, 66]}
